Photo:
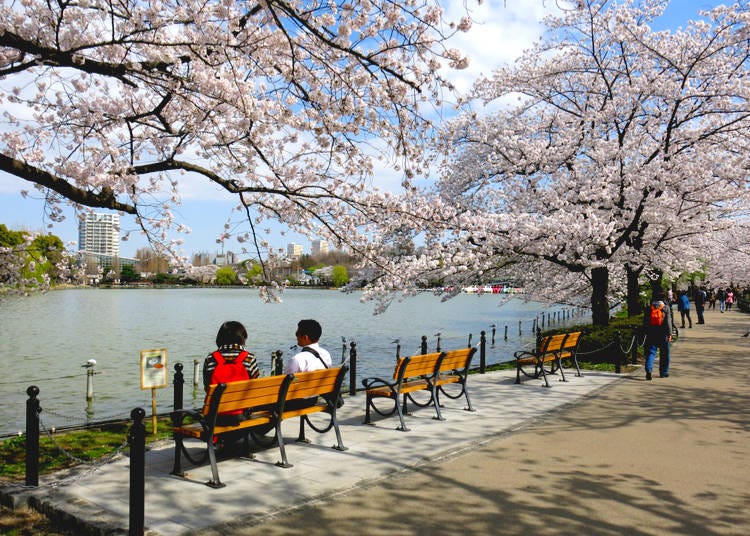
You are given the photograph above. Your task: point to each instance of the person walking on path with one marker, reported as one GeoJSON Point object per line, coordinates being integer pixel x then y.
{"type": "Point", "coordinates": [700, 304]}
{"type": "Point", "coordinates": [730, 299]}
{"type": "Point", "coordinates": [721, 295]}
{"type": "Point", "coordinates": [657, 324]}
{"type": "Point", "coordinates": [683, 305]}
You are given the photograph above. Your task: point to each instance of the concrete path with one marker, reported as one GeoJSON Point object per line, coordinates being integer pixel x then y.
{"type": "Point", "coordinates": [600, 454]}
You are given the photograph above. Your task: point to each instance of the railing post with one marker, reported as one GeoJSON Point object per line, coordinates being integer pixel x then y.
{"type": "Point", "coordinates": [423, 346]}
{"type": "Point", "coordinates": [538, 338]}
{"type": "Point", "coordinates": [519, 327]}
{"type": "Point", "coordinates": [505, 337]}
{"type": "Point", "coordinates": [618, 362]}
{"type": "Point", "coordinates": [492, 341]}
{"type": "Point", "coordinates": [178, 385]}
{"type": "Point", "coordinates": [352, 368]}
{"type": "Point", "coordinates": [90, 364]}
{"type": "Point", "coordinates": [482, 353]}
{"type": "Point", "coordinates": [277, 363]}
{"type": "Point", "coordinates": [32, 436]}
{"type": "Point", "coordinates": [469, 344]}
{"type": "Point", "coordinates": [437, 347]}
{"type": "Point", "coordinates": [137, 439]}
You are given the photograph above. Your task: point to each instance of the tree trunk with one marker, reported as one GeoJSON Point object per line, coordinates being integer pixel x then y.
{"type": "Point", "coordinates": [635, 307]}
{"type": "Point", "coordinates": [599, 303]}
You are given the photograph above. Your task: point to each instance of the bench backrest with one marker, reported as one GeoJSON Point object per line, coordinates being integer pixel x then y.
{"type": "Point", "coordinates": [315, 383]}
{"type": "Point", "coordinates": [457, 359]}
{"type": "Point", "coordinates": [571, 342]}
{"type": "Point", "coordinates": [246, 393]}
{"type": "Point", "coordinates": [552, 343]}
{"type": "Point", "coordinates": [416, 365]}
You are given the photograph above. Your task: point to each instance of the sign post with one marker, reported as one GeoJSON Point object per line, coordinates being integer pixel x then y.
{"type": "Point", "coordinates": [153, 375]}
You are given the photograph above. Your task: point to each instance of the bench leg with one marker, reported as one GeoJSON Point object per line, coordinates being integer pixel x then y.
{"type": "Point", "coordinates": [518, 372]}
{"type": "Point", "coordinates": [562, 372]}
{"type": "Point", "coordinates": [177, 467]}
{"type": "Point", "coordinates": [301, 436]}
{"type": "Point", "coordinates": [544, 375]}
{"type": "Point", "coordinates": [368, 399]}
{"type": "Point", "coordinates": [578, 369]}
{"type": "Point", "coordinates": [436, 400]}
{"type": "Point", "coordinates": [214, 482]}
{"type": "Point", "coordinates": [339, 442]}
{"type": "Point", "coordinates": [284, 462]}
{"type": "Point", "coordinates": [402, 427]}
{"type": "Point", "coordinates": [468, 400]}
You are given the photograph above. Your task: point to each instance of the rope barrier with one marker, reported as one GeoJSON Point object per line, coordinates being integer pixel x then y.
{"type": "Point", "coordinates": [91, 465]}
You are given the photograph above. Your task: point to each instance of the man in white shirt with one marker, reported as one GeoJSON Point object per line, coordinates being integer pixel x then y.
{"type": "Point", "coordinates": [312, 356]}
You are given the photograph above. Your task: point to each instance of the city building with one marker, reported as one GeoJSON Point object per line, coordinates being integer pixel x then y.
{"type": "Point", "coordinates": [100, 233]}
{"type": "Point", "coordinates": [318, 247]}
{"type": "Point", "coordinates": [294, 251]}
{"type": "Point", "coordinates": [99, 244]}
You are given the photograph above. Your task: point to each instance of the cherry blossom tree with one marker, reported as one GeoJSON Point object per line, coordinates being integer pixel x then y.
{"type": "Point", "coordinates": [615, 148]}
{"type": "Point", "coordinates": [286, 104]}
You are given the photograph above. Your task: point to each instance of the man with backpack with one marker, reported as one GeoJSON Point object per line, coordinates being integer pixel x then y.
{"type": "Point", "coordinates": [657, 325]}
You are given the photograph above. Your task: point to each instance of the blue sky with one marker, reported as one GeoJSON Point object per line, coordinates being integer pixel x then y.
{"type": "Point", "coordinates": [206, 209]}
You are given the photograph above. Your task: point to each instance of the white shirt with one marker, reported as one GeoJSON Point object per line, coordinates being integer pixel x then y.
{"type": "Point", "coordinates": [306, 361]}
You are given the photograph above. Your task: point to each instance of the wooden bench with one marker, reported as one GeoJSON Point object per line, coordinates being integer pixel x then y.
{"type": "Point", "coordinates": [424, 372]}
{"type": "Point", "coordinates": [263, 402]}
{"type": "Point", "coordinates": [569, 350]}
{"type": "Point", "coordinates": [454, 368]}
{"type": "Point", "coordinates": [547, 352]}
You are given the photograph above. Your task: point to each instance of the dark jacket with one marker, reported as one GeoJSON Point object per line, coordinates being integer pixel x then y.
{"type": "Point", "coordinates": [657, 333]}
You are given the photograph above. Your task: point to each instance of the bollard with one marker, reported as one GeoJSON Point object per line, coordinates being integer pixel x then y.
{"type": "Point", "coordinates": [397, 342]}
{"type": "Point", "coordinates": [519, 327]}
{"type": "Point", "coordinates": [353, 368]}
{"type": "Point", "coordinates": [492, 343]}
{"type": "Point", "coordinates": [178, 385]}
{"type": "Point", "coordinates": [482, 353]}
{"type": "Point", "coordinates": [470, 334]}
{"type": "Point", "coordinates": [277, 363]}
{"type": "Point", "coordinates": [343, 350]}
{"type": "Point", "coordinates": [618, 362]}
{"type": "Point", "coordinates": [196, 373]}
{"type": "Point", "coordinates": [32, 436]}
{"type": "Point", "coordinates": [538, 339]}
{"type": "Point", "coordinates": [137, 440]}
{"type": "Point", "coordinates": [423, 346]}
{"type": "Point", "coordinates": [437, 347]}
{"type": "Point", "coordinates": [89, 366]}
{"type": "Point", "coordinates": [505, 337]}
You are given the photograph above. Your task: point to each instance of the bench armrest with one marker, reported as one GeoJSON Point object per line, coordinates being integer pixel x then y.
{"type": "Point", "coordinates": [370, 383]}
{"type": "Point", "coordinates": [524, 353]}
{"type": "Point", "coordinates": [179, 416]}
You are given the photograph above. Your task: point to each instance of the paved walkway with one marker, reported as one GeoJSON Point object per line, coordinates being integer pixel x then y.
{"type": "Point", "coordinates": [601, 454]}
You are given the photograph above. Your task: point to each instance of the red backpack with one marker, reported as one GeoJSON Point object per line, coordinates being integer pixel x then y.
{"type": "Point", "coordinates": [657, 315]}
{"type": "Point", "coordinates": [229, 371]}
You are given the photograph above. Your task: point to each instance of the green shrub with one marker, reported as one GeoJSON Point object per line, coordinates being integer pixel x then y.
{"type": "Point", "coordinates": [598, 343]}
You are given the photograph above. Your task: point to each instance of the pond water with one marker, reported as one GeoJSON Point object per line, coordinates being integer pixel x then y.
{"type": "Point", "coordinates": [47, 338]}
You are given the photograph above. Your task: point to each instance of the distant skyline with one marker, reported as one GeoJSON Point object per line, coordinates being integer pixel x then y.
{"type": "Point", "coordinates": [511, 25]}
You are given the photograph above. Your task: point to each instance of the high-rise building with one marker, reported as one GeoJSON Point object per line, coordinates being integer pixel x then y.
{"type": "Point", "coordinates": [318, 247]}
{"type": "Point", "coordinates": [294, 251]}
{"type": "Point", "coordinates": [100, 233]}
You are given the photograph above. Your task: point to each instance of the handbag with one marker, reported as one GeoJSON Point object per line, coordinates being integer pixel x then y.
{"type": "Point", "coordinates": [340, 399]}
